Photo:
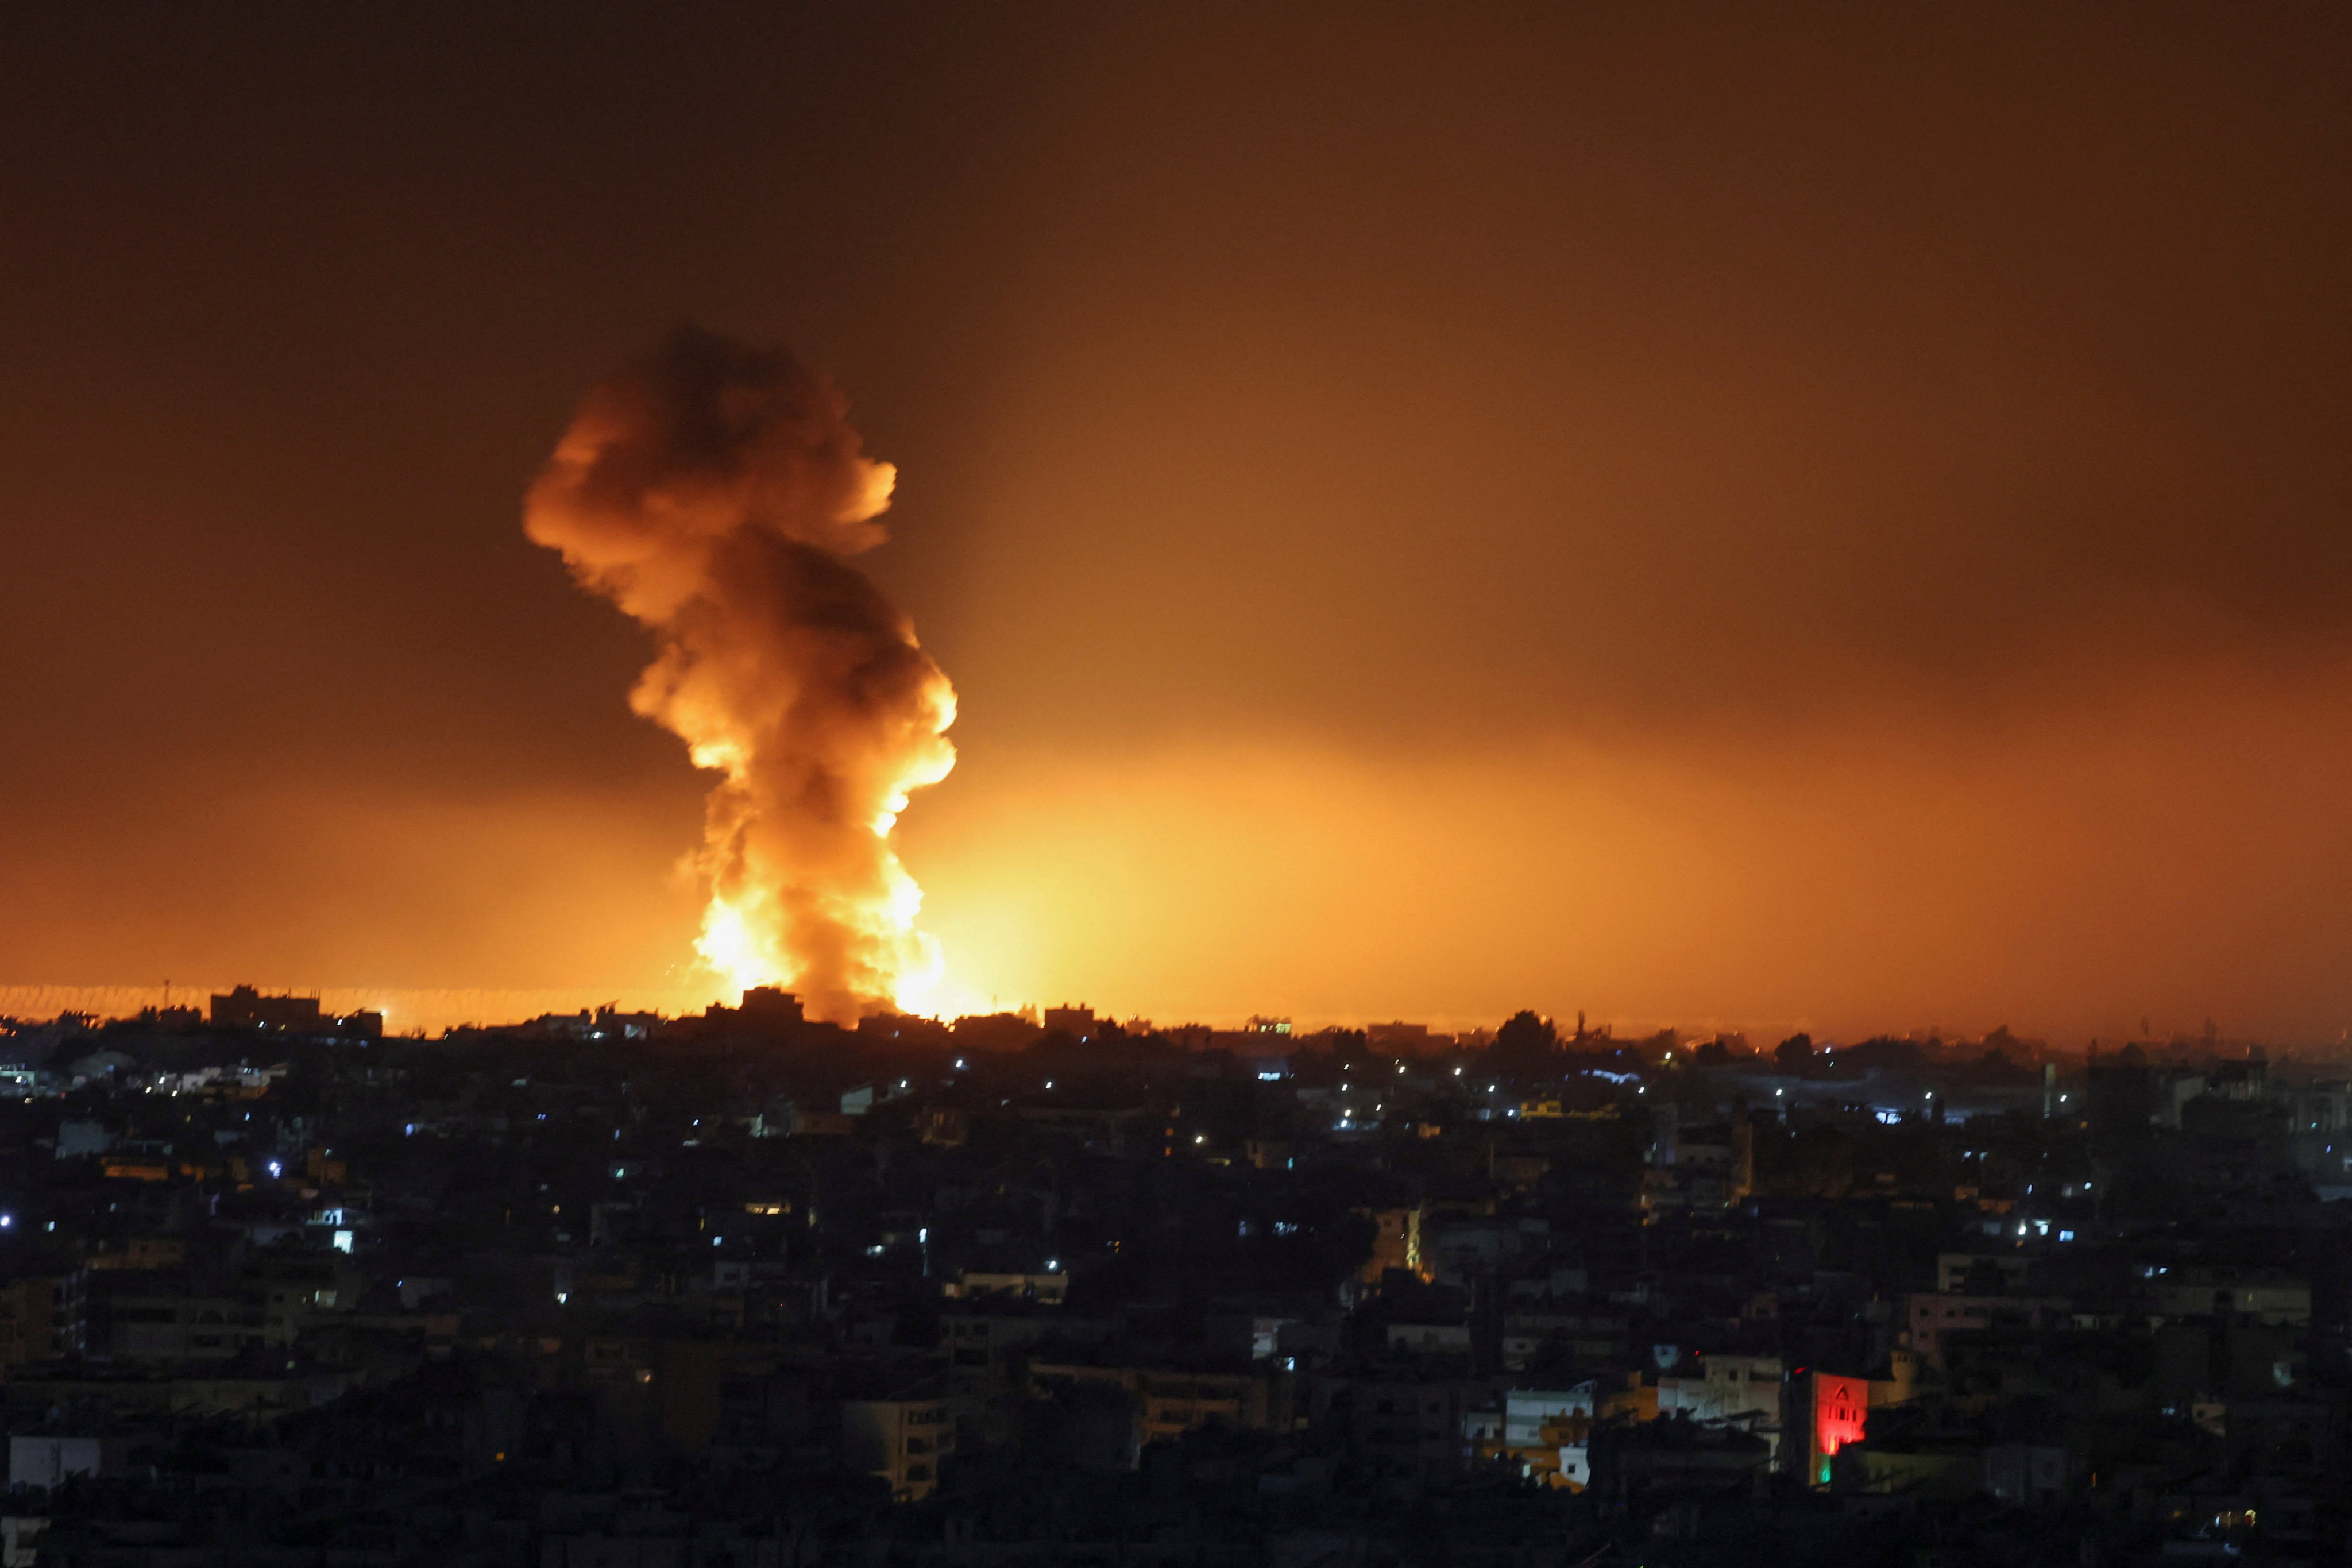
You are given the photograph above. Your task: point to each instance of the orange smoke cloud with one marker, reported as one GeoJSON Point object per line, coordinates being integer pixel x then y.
{"type": "Point", "coordinates": [714, 491]}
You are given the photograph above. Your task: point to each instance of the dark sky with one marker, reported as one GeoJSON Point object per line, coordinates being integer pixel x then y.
{"type": "Point", "coordinates": [1699, 514]}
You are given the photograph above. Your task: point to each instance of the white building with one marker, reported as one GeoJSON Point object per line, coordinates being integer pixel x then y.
{"type": "Point", "coordinates": [1742, 1390]}
{"type": "Point", "coordinates": [1548, 1431]}
{"type": "Point", "coordinates": [901, 1440]}
{"type": "Point", "coordinates": [47, 1461]}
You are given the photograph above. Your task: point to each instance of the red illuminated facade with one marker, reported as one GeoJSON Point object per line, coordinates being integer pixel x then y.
{"type": "Point", "coordinates": [1841, 1410]}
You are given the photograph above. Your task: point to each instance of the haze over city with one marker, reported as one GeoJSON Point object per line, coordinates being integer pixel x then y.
{"type": "Point", "coordinates": [1693, 519]}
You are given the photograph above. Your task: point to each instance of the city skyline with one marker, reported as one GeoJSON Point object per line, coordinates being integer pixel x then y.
{"type": "Point", "coordinates": [429, 1015]}
{"type": "Point", "coordinates": [1088, 786]}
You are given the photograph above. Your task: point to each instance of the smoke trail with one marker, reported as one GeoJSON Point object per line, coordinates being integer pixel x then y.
{"type": "Point", "coordinates": [714, 491]}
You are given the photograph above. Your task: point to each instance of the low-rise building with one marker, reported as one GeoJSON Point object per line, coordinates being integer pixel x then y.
{"type": "Point", "coordinates": [900, 1441]}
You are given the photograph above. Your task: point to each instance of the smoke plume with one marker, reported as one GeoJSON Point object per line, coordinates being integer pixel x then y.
{"type": "Point", "coordinates": [715, 492]}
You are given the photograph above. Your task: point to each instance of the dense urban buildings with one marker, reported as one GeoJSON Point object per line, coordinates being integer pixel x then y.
{"type": "Point", "coordinates": [745, 1289]}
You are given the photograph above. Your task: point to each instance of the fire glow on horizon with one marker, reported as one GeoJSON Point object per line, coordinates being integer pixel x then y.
{"type": "Point", "coordinates": [715, 493]}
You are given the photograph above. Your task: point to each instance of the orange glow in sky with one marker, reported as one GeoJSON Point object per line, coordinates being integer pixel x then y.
{"type": "Point", "coordinates": [1701, 518]}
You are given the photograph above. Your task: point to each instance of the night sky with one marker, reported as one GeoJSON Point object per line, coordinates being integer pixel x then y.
{"type": "Point", "coordinates": [1708, 516]}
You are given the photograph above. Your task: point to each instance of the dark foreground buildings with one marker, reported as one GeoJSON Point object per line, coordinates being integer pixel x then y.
{"type": "Point", "coordinates": [607, 1291]}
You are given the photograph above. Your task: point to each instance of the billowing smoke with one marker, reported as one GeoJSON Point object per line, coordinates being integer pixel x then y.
{"type": "Point", "coordinates": [715, 491]}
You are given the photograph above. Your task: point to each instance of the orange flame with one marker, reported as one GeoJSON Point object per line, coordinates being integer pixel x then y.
{"type": "Point", "coordinates": [715, 492]}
